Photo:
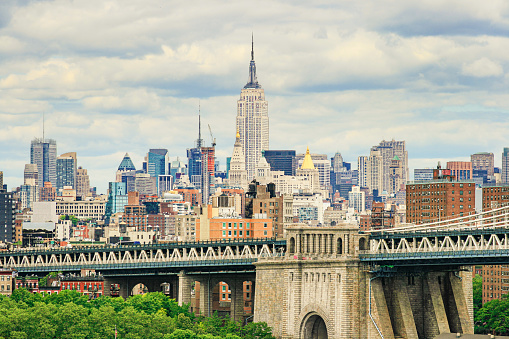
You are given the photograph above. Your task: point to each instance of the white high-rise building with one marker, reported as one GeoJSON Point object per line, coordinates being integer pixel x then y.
{"type": "Point", "coordinates": [505, 165]}
{"type": "Point", "coordinates": [357, 199]}
{"type": "Point", "coordinates": [237, 175]}
{"type": "Point", "coordinates": [375, 170]}
{"type": "Point", "coordinates": [252, 120]}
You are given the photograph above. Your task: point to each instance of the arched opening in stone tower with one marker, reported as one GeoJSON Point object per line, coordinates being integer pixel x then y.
{"type": "Point", "coordinates": [362, 244]}
{"type": "Point", "coordinates": [314, 328]}
{"type": "Point", "coordinates": [139, 289]}
{"type": "Point", "coordinates": [340, 246]}
{"type": "Point", "coordinates": [292, 245]}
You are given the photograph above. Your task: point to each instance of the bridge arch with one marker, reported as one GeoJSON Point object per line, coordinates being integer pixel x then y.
{"type": "Point", "coordinates": [314, 323]}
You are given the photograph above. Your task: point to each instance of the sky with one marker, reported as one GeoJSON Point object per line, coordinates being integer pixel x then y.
{"type": "Point", "coordinates": [120, 76]}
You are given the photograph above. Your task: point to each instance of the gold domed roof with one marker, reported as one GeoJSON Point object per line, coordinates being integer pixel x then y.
{"type": "Point", "coordinates": [238, 134]}
{"type": "Point", "coordinates": [308, 162]}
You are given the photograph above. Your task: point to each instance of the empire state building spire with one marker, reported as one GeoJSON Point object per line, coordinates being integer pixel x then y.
{"type": "Point", "coordinates": [252, 120]}
{"type": "Point", "coordinates": [252, 82]}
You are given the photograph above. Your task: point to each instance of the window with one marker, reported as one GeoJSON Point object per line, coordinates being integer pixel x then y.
{"type": "Point", "coordinates": [229, 233]}
{"type": "Point", "coordinates": [224, 233]}
{"type": "Point", "coordinates": [240, 233]}
{"type": "Point", "coordinates": [224, 225]}
{"type": "Point", "coordinates": [264, 225]}
{"type": "Point", "coordinates": [264, 232]}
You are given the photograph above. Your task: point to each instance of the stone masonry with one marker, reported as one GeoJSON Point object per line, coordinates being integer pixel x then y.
{"type": "Point", "coordinates": [320, 289]}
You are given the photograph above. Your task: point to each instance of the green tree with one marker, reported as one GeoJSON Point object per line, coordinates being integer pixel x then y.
{"type": "Point", "coordinates": [73, 219]}
{"type": "Point", "coordinates": [477, 292]}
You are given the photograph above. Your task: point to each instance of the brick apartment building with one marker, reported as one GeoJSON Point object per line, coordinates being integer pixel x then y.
{"type": "Point", "coordinates": [438, 200]}
{"type": "Point", "coordinates": [495, 277]}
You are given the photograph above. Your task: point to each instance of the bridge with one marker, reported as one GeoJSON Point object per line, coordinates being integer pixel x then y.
{"type": "Point", "coordinates": [413, 281]}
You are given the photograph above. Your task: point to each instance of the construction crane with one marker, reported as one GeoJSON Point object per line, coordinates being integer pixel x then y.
{"type": "Point", "coordinates": [213, 139]}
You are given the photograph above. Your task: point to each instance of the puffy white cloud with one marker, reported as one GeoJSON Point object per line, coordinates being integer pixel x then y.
{"type": "Point", "coordinates": [483, 67]}
{"type": "Point", "coordinates": [125, 76]}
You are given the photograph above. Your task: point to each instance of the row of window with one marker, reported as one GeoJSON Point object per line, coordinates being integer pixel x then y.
{"type": "Point", "coordinates": [235, 225]}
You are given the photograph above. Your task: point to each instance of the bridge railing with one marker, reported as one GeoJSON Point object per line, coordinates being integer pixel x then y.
{"type": "Point", "coordinates": [176, 244]}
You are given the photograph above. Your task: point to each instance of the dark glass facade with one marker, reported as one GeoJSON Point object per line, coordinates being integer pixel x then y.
{"type": "Point", "coordinates": [281, 160]}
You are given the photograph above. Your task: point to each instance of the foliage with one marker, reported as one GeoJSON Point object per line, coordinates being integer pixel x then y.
{"type": "Point", "coordinates": [69, 314]}
{"type": "Point", "coordinates": [73, 219]}
{"type": "Point", "coordinates": [493, 318]}
{"type": "Point", "coordinates": [477, 291]}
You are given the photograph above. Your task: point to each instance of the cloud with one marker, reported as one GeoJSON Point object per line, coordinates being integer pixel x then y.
{"type": "Point", "coordinates": [125, 76]}
{"type": "Point", "coordinates": [482, 68]}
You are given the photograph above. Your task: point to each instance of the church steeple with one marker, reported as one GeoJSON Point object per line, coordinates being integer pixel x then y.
{"type": "Point", "coordinates": [252, 81]}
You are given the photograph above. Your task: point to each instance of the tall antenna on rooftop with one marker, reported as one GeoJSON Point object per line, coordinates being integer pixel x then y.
{"type": "Point", "coordinates": [42, 126]}
{"type": "Point", "coordinates": [199, 141]}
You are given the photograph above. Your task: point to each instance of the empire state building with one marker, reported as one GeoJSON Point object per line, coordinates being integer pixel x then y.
{"type": "Point", "coordinates": [252, 119]}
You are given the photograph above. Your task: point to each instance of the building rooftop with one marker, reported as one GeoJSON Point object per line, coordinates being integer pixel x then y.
{"type": "Point", "coordinates": [308, 162]}
{"type": "Point", "coordinates": [126, 164]}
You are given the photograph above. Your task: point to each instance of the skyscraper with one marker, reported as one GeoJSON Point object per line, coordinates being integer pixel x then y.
{"type": "Point", "coordinates": [31, 174]}
{"type": "Point", "coordinates": [7, 215]}
{"type": "Point", "coordinates": [281, 160]}
{"type": "Point", "coordinates": [483, 161]}
{"type": "Point", "coordinates": [43, 153]}
{"type": "Point", "coordinates": [374, 171]}
{"type": "Point", "coordinates": [252, 119]}
{"type": "Point", "coordinates": [237, 175]}
{"type": "Point", "coordinates": [505, 165]}
{"type": "Point", "coordinates": [82, 183]}
{"type": "Point", "coordinates": [126, 165]}
{"type": "Point", "coordinates": [201, 166]}
{"type": "Point", "coordinates": [156, 162]}
{"type": "Point", "coordinates": [66, 170]}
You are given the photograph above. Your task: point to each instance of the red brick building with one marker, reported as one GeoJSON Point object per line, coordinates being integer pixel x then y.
{"type": "Point", "coordinates": [495, 277]}
{"type": "Point", "coordinates": [191, 195]}
{"type": "Point", "coordinates": [135, 216]}
{"type": "Point", "coordinates": [439, 200]}
{"type": "Point", "coordinates": [92, 285]}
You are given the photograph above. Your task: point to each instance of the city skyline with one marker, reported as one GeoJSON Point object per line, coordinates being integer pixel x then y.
{"type": "Point", "coordinates": [347, 75]}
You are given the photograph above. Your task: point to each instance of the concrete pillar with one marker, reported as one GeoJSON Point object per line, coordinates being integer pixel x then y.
{"type": "Point", "coordinates": [405, 309]}
{"type": "Point", "coordinates": [438, 303]}
{"type": "Point", "coordinates": [185, 285]}
{"type": "Point", "coordinates": [298, 244]}
{"type": "Point", "coordinates": [461, 305]}
{"type": "Point", "coordinates": [327, 244]}
{"type": "Point", "coordinates": [305, 243]}
{"type": "Point", "coordinates": [206, 286]}
{"type": "Point", "coordinates": [237, 304]}
{"type": "Point", "coordinates": [380, 311]}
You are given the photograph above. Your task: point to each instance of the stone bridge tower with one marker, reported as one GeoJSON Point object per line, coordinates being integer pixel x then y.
{"type": "Point", "coordinates": [313, 291]}
{"type": "Point", "coordinates": [320, 289]}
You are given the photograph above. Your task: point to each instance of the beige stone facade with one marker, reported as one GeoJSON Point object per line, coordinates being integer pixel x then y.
{"type": "Point", "coordinates": [324, 291]}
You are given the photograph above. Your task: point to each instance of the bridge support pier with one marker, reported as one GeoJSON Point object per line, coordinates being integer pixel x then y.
{"type": "Point", "coordinates": [237, 305]}
{"type": "Point", "coordinates": [323, 291]}
{"type": "Point", "coordinates": [185, 285]}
